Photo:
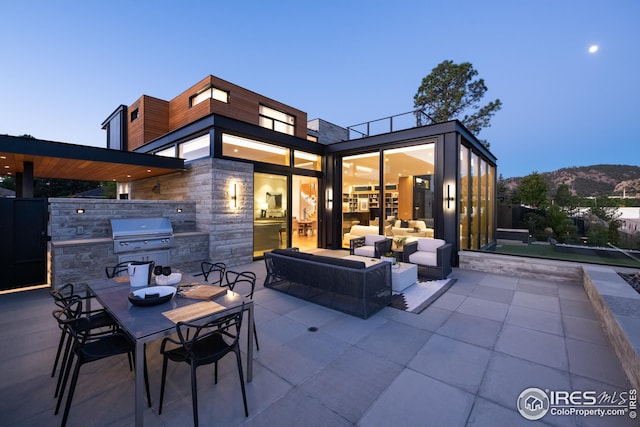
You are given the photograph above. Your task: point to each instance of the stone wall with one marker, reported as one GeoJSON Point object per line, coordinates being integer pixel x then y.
{"type": "Point", "coordinates": [546, 269]}
{"type": "Point", "coordinates": [206, 182]}
{"type": "Point", "coordinates": [81, 245]}
{"type": "Point", "coordinates": [617, 305]}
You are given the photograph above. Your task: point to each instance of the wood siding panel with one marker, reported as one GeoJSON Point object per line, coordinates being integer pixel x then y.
{"type": "Point", "coordinates": [158, 117]}
{"type": "Point", "coordinates": [243, 105]}
{"type": "Point", "coordinates": [135, 129]}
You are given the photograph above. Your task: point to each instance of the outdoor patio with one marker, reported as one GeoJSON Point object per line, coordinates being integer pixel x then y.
{"type": "Point", "coordinates": [461, 362]}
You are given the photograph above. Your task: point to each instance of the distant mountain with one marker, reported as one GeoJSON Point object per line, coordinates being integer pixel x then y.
{"type": "Point", "coordinates": [597, 180]}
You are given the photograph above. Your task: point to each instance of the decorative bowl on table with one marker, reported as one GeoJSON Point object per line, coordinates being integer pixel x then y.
{"type": "Point", "coordinates": [172, 279]}
{"type": "Point", "coordinates": [153, 295]}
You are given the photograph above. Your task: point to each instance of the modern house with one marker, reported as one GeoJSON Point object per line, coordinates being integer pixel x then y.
{"type": "Point", "coordinates": [238, 174]}
{"type": "Point", "coordinates": [264, 177]}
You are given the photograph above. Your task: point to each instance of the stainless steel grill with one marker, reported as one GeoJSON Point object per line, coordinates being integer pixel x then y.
{"type": "Point", "coordinates": [141, 234]}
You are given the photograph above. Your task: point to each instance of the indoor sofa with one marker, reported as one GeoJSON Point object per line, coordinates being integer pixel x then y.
{"type": "Point", "coordinates": [358, 231]}
{"type": "Point", "coordinates": [344, 285]}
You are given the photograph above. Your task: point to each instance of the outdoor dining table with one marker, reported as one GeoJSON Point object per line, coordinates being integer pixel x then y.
{"type": "Point", "coordinates": [148, 323]}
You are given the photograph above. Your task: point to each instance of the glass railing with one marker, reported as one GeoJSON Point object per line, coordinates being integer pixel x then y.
{"type": "Point", "coordinates": [395, 123]}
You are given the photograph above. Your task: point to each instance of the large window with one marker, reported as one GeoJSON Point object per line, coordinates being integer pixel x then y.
{"type": "Point", "coordinates": [360, 192]}
{"type": "Point", "coordinates": [195, 148]}
{"type": "Point", "coordinates": [249, 149]}
{"type": "Point", "coordinates": [306, 160]}
{"type": "Point", "coordinates": [464, 197]}
{"type": "Point", "coordinates": [477, 200]}
{"type": "Point", "coordinates": [408, 178]}
{"type": "Point", "coordinates": [270, 224]}
{"type": "Point", "coordinates": [277, 120]}
{"type": "Point", "coordinates": [209, 93]}
{"type": "Point", "coordinates": [167, 152]}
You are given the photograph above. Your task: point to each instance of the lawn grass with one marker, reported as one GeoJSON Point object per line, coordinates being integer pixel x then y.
{"type": "Point", "coordinates": [548, 251]}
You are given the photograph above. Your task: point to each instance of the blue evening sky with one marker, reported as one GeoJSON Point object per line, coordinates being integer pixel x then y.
{"type": "Point", "coordinates": [66, 65]}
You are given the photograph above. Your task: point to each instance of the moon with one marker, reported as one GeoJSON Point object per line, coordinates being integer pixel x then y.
{"type": "Point", "coordinates": [593, 48]}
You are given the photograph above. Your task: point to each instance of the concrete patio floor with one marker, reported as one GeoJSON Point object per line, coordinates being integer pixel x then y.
{"type": "Point", "coordinates": [461, 362]}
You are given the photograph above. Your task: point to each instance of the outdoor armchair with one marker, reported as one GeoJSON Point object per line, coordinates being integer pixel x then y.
{"type": "Point", "coordinates": [371, 245]}
{"type": "Point", "coordinates": [432, 256]}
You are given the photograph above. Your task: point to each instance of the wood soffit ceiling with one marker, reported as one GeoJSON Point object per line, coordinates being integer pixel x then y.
{"type": "Point", "coordinates": [68, 161]}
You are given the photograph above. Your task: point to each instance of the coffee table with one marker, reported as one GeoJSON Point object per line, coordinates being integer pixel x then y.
{"type": "Point", "coordinates": [403, 275]}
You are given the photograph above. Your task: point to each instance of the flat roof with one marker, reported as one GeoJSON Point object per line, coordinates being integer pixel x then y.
{"type": "Point", "coordinates": [70, 161]}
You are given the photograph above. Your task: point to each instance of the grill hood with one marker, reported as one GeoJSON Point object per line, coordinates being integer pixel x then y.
{"type": "Point", "coordinates": [140, 227]}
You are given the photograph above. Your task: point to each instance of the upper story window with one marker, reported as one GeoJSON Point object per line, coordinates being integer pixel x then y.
{"type": "Point", "coordinates": [277, 120]}
{"type": "Point", "coordinates": [209, 93]}
{"type": "Point", "coordinates": [306, 160]}
{"type": "Point", "coordinates": [249, 149]}
{"type": "Point", "coordinates": [167, 152]}
{"type": "Point", "coordinates": [135, 114]}
{"type": "Point", "coordinates": [195, 148]}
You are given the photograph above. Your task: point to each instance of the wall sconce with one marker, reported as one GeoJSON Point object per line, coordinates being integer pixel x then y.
{"type": "Point", "coordinates": [233, 195]}
{"type": "Point", "coordinates": [79, 211]}
{"type": "Point", "coordinates": [179, 210]}
{"type": "Point", "coordinates": [450, 195]}
{"type": "Point", "coordinates": [329, 198]}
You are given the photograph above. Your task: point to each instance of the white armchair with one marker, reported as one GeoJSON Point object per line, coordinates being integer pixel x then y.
{"type": "Point", "coordinates": [433, 257]}
{"type": "Point", "coordinates": [371, 245]}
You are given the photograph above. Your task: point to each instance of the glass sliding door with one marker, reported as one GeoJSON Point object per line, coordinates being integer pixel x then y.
{"type": "Point", "coordinates": [464, 197]}
{"type": "Point", "coordinates": [304, 212]}
{"type": "Point", "coordinates": [360, 192]}
{"type": "Point", "coordinates": [474, 237]}
{"type": "Point", "coordinates": [271, 213]}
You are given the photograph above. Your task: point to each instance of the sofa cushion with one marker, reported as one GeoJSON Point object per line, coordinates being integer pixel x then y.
{"type": "Point", "coordinates": [362, 230]}
{"type": "Point", "coordinates": [349, 263]}
{"type": "Point", "coordinates": [320, 258]}
{"type": "Point", "coordinates": [368, 251]}
{"type": "Point", "coordinates": [293, 254]}
{"type": "Point", "coordinates": [418, 224]}
{"type": "Point", "coordinates": [371, 239]}
{"type": "Point", "coordinates": [424, 258]}
{"type": "Point", "coordinates": [429, 245]}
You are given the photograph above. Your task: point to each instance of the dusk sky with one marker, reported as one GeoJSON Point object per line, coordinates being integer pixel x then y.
{"type": "Point", "coordinates": [66, 65]}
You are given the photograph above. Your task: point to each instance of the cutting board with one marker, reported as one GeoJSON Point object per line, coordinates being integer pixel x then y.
{"type": "Point", "coordinates": [193, 311]}
{"type": "Point", "coordinates": [205, 292]}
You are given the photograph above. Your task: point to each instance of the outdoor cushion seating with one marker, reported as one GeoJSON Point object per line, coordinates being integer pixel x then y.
{"type": "Point", "coordinates": [344, 285]}
{"type": "Point", "coordinates": [371, 245]}
{"type": "Point", "coordinates": [433, 257]}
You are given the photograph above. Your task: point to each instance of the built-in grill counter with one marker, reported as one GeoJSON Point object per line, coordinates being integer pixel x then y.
{"type": "Point", "coordinates": [107, 232]}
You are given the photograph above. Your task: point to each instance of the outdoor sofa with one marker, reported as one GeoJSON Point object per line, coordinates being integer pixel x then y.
{"type": "Point", "coordinates": [344, 285]}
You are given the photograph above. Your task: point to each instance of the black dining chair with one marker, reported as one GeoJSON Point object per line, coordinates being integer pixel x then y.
{"type": "Point", "coordinates": [214, 269]}
{"type": "Point", "coordinates": [245, 282]}
{"type": "Point", "coordinates": [99, 319]}
{"type": "Point", "coordinates": [113, 271]}
{"type": "Point", "coordinates": [209, 342]}
{"type": "Point", "coordinates": [88, 346]}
